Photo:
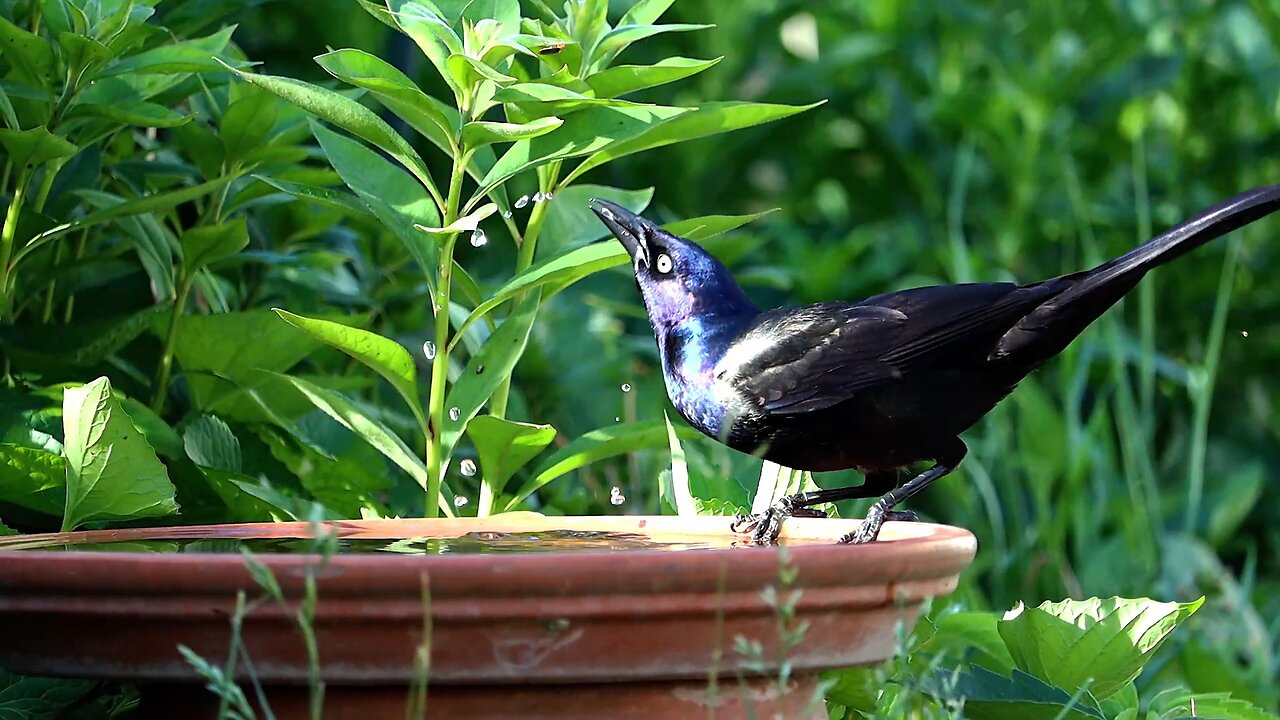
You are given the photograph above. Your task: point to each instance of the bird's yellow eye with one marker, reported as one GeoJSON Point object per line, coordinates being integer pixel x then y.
{"type": "Point", "coordinates": [664, 263]}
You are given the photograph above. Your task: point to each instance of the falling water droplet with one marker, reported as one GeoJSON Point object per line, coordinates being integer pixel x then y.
{"type": "Point", "coordinates": [429, 350]}
{"type": "Point", "coordinates": [478, 238]}
{"type": "Point", "coordinates": [454, 414]}
{"type": "Point", "coordinates": [626, 387]}
{"type": "Point", "coordinates": [467, 467]}
{"type": "Point", "coordinates": [459, 500]}
{"type": "Point", "coordinates": [539, 196]}
{"type": "Point", "coordinates": [616, 497]}
{"type": "Point", "coordinates": [1244, 333]}
{"type": "Point", "coordinates": [617, 418]}
{"type": "Point", "coordinates": [479, 369]}
{"type": "Point", "coordinates": [524, 200]}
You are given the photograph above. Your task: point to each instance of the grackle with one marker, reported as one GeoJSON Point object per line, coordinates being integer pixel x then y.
{"type": "Point", "coordinates": [874, 385]}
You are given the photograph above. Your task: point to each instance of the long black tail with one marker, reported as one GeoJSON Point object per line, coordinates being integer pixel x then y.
{"type": "Point", "coordinates": [1048, 329]}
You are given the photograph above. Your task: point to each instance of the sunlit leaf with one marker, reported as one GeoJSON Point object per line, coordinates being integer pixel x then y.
{"type": "Point", "coordinates": [623, 79]}
{"type": "Point", "coordinates": [504, 446]}
{"type": "Point", "coordinates": [33, 479]}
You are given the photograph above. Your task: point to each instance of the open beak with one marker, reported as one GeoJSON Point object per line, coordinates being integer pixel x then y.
{"type": "Point", "coordinates": [630, 229]}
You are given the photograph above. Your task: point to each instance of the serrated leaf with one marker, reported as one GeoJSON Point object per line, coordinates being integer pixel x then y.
{"type": "Point", "coordinates": [207, 244]}
{"type": "Point", "coordinates": [112, 473]}
{"type": "Point", "coordinates": [990, 696]}
{"type": "Point", "coordinates": [623, 79]}
{"type": "Point", "coordinates": [382, 355]}
{"type": "Point", "coordinates": [35, 146]}
{"type": "Point", "coordinates": [33, 479]}
{"type": "Point", "coordinates": [705, 120]}
{"type": "Point", "coordinates": [504, 446]}
{"type": "Point", "coordinates": [1105, 642]}
{"type": "Point", "coordinates": [209, 443]}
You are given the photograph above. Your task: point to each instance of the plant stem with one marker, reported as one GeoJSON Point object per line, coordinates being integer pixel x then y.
{"type": "Point", "coordinates": [7, 237]}
{"type": "Point", "coordinates": [170, 337]}
{"type": "Point", "coordinates": [440, 364]}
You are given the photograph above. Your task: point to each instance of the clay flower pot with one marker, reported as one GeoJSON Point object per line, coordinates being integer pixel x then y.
{"type": "Point", "coordinates": [605, 622]}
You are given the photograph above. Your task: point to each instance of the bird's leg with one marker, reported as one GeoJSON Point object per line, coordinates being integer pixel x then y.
{"type": "Point", "coordinates": [883, 509]}
{"type": "Point", "coordinates": [765, 526]}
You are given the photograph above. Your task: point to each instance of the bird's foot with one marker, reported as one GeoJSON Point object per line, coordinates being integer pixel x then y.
{"type": "Point", "coordinates": [876, 518]}
{"type": "Point", "coordinates": [764, 527]}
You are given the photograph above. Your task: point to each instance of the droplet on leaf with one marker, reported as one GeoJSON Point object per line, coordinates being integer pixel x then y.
{"type": "Point", "coordinates": [454, 414]}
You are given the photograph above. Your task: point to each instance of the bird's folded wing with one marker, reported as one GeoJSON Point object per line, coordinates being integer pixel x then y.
{"type": "Point", "coordinates": [810, 358]}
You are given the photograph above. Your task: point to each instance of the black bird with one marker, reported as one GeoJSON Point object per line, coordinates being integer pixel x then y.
{"type": "Point", "coordinates": [874, 385]}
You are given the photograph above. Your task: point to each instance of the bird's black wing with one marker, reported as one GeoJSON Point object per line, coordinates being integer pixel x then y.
{"type": "Point", "coordinates": [809, 358]}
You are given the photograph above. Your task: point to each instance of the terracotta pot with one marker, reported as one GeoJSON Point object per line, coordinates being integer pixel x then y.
{"type": "Point", "coordinates": [631, 633]}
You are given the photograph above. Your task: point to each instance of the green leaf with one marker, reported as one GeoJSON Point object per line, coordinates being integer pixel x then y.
{"type": "Point", "coordinates": [112, 473]}
{"type": "Point", "coordinates": [209, 442]}
{"type": "Point", "coordinates": [1103, 642]}
{"type": "Point", "coordinates": [619, 38]}
{"type": "Point", "coordinates": [200, 55]}
{"type": "Point", "coordinates": [506, 12]}
{"type": "Point", "coordinates": [679, 496]}
{"type": "Point", "coordinates": [969, 636]}
{"type": "Point", "coordinates": [391, 195]}
{"type": "Point", "coordinates": [207, 244]}
{"type": "Point", "coordinates": [80, 344]}
{"type": "Point", "coordinates": [393, 89]}
{"type": "Point", "coordinates": [246, 499]}
{"type": "Point", "coordinates": [477, 134]}
{"type": "Point", "coordinates": [468, 72]}
{"type": "Point", "coordinates": [462, 224]}
{"type": "Point", "coordinates": [596, 445]}
{"type": "Point", "coordinates": [33, 479]}
{"type": "Point", "coordinates": [247, 123]}
{"type": "Point", "coordinates": [705, 120]}
{"type": "Point", "coordinates": [564, 270]}
{"type": "Point", "coordinates": [569, 222]}
{"type": "Point", "coordinates": [335, 199]}
{"type": "Point", "coordinates": [36, 146]}
{"type": "Point", "coordinates": [159, 435]}
{"type": "Point", "coordinates": [138, 113]}
{"type": "Point", "coordinates": [1179, 703]}
{"type": "Point", "coordinates": [348, 115]}
{"type": "Point", "coordinates": [583, 132]}
{"type": "Point", "coordinates": [6, 110]}
{"type": "Point", "coordinates": [505, 446]}
{"type": "Point", "coordinates": [486, 370]}
{"type": "Point", "coordinates": [540, 98]}
{"type": "Point", "coordinates": [341, 409]}
{"type": "Point", "coordinates": [82, 53]}
{"type": "Point", "coordinates": [382, 355]}
{"type": "Point", "coordinates": [30, 56]}
{"type": "Point", "coordinates": [430, 33]}
{"type": "Point", "coordinates": [623, 79]}
{"type": "Point", "coordinates": [989, 696]}
{"type": "Point", "coordinates": [645, 12]}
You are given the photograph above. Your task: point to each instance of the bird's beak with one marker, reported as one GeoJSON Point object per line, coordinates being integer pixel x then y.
{"type": "Point", "coordinates": [630, 229]}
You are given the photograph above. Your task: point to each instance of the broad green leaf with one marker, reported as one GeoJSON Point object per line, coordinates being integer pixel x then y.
{"type": "Point", "coordinates": [391, 195]}
{"type": "Point", "coordinates": [29, 55]}
{"type": "Point", "coordinates": [546, 99]}
{"type": "Point", "coordinates": [623, 79]}
{"type": "Point", "coordinates": [200, 55]}
{"type": "Point", "coordinates": [350, 116]}
{"type": "Point", "coordinates": [320, 195]}
{"type": "Point", "coordinates": [37, 698]}
{"type": "Point", "coordinates": [505, 446]}
{"type": "Point", "coordinates": [131, 112]}
{"type": "Point", "coordinates": [564, 270]}
{"type": "Point", "coordinates": [79, 344]}
{"type": "Point", "coordinates": [207, 244]}
{"type": "Point", "coordinates": [477, 134]}
{"type": "Point", "coordinates": [596, 445]}
{"type": "Point", "coordinates": [486, 370]}
{"type": "Point", "coordinates": [112, 473]}
{"type": "Point", "coordinates": [619, 38]}
{"type": "Point", "coordinates": [505, 12]}
{"type": "Point", "coordinates": [645, 12]}
{"type": "Point", "coordinates": [160, 436]}
{"type": "Point", "coordinates": [856, 688]}
{"type": "Point", "coordinates": [431, 34]}
{"type": "Point", "coordinates": [468, 72]}
{"type": "Point", "coordinates": [382, 355]}
{"type": "Point", "coordinates": [393, 89]}
{"type": "Point", "coordinates": [35, 146]}
{"type": "Point", "coordinates": [708, 119]}
{"type": "Point", "coordinates": [246, 499]}
{"type": "Point", "coordinates": [970, 636]}
{"type": "Point", "coordinates": [247, 123]}
{"type": "Point", "coordinates": [33, 479]}
{"type": "Point", "coordinates": [209, 443]}
{"type": "Point", "coordinates": [989, 696]}
{"type": "Point", "coordinates": [82, 53]}
{"type": "Point", "coordinates": [583, 132]}
{"type": "Point", "coordinates": [341, 409]}
{"type": "Point", "coordinates": [1182, 703]}
{"type": "Point", "coordinates": [1103, 642]}
{"type": "Point", "coordinates": [55, 15]}
{"type": "Point", "coordinates": [569, 222]}
{"type": "Point", "coordinates": [127, 208]}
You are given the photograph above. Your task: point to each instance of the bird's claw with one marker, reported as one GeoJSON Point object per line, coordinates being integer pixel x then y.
{"type": "Point", "coordinates": [870, 528]}
{"type": "Point", "coordinates": [764, 527]}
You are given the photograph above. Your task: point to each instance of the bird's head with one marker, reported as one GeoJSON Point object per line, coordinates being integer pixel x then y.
{"type": "Point", "coordinates": [678, 279]}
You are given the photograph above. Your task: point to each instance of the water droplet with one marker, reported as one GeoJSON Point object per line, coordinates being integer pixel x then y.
{"type": "Point", "coordinates": [429, 350]}
{"type": "Point", "coordinates": [506, 213]}
{"type": "Point", "coordinates": [616, 497]}
{"type": "Point", "coordinates": [459, 500]}
{"type": "Point", "coordinates": [1244, 333]}
{"type": "Point", "coordinates": [524, 200]}
{"type": "Point", "coordinates": [546, 195]}
{"type": "Point", "coordinates": [626, 387]}
{"type": "Point", "coordinates": [479, 369]}
{"type": "Point", "coordinates": [617, 419]}
{"type": "Point", "coordinates": [539, 196]}
{"type": "Point", "coordinates": [454, 414]}
{"type": "Point", "coordinates": [467, 467]}
{"type": "Point", "coordinates": [478, 238]}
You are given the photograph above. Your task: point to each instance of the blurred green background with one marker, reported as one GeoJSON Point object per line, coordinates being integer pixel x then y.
{"type": "Point", "coordinates": [973, 141]}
